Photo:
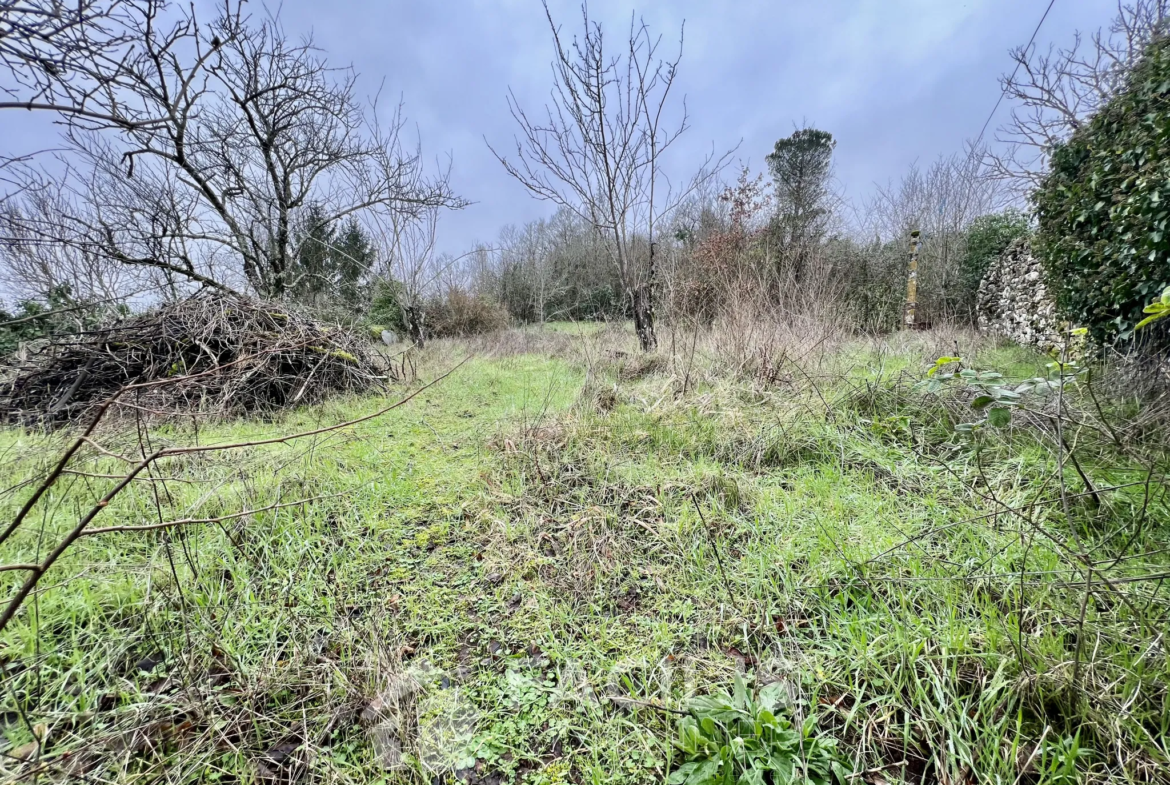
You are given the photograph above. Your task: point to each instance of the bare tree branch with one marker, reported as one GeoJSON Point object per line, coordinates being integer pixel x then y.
{"type": "Point", "coordinates": [1055, 91]}
{"type": "Point", "coordinates": [210, 143]}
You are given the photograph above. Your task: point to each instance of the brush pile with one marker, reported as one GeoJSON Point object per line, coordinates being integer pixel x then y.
{"type": "Point", "coordinates": [210, 354]}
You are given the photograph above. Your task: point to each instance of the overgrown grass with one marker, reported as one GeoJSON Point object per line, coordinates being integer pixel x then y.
{"type": "Point", "coordinates": [524, 575]}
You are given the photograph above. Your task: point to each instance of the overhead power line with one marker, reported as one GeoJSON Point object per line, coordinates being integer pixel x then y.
{"type": "Point", "coordinates": [1003, 92]}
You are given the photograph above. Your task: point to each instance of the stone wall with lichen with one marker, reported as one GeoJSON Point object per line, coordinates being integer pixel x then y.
{"type": "Point", "coordinates": [1013, 301]}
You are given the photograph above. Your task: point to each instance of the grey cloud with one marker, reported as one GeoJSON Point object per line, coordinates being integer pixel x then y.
{"type": "Point", "coordinates": [893, 80]}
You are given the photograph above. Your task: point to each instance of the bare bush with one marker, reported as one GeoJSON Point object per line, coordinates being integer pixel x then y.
{"type": "Point", "coordinates": [32, 268]}
{"type": "Point", "coordinates": [941, 201]}
{"type": "Point", "coordinates": [410, 265]}
{"type": "Point", "coordinates": [459, 313]}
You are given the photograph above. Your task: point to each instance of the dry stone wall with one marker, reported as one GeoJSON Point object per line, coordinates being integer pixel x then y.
{"type": "Point", "coordinates": [1014, 302]}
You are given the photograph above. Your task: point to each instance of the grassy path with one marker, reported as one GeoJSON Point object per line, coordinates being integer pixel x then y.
{"type": "Point", "coordinates": [521, 576]}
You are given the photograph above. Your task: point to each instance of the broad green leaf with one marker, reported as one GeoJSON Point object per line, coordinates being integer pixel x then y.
{"type": "Point", "coordinates": [772, 695]}
{"type": "Point", "coordinates": [940, 362]}
{"type": "Point", "coordinates": [705, 772]}
{"type": "Point", "coordinates": [768, 721]}
{"type": "Point", "coordinates": [726, 764]}
{"type": "Point", "coordinates": [783, 766]}
{"type": "Point", "coordinates": [741, 699]}
{"type": "Point", "coordinates": [787, 739]}
{"type": "Point", "coordinates": [690, 739]}
{"type": "Point", "coordinates": [752, 776]}
{"type": "Point", "coordinates": [1157, 310]}
{"type": "Point", "coordinates": [1000, 417]}
{"type": "Point", "coordinates": [711, 705]}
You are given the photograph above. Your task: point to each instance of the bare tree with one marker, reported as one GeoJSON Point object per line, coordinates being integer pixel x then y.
{"type": "Point", "coordinates": [406, 246]}
{"type": "Point", "coordinates": [34, 269]}
{"type": "Point", "coordinates": [549, 268]}
{"type": "Point", "coordinates": [66, 55]}
{"type": "Point", "coordinates": [537, 252]}
{"type": "Point", "coordinates": [481, 272]}
{"type": "Point", "coordinates": [61, 57]}
{"type": "Point", "coordinates": [222, 136]}
{"type": "Point", "coordinates": [941, 201]}
{"type": "Point", "coordinates": [598, 149]}
{"type": "Point", "coordinates": [1055, 92]}
{"type": "Point", "coordinates": [944, 197]}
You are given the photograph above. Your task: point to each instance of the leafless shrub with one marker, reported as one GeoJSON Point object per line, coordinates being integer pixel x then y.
{"type": "Point", "coordinates": [32, 268]}
{"type": "Point", "coordinates": [752, 343]}
{"type": "Point", "coordinates": [940, 201]}
{"type": "Point", "coordinates": [457, 313]}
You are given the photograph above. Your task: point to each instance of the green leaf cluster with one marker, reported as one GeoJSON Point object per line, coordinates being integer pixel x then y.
{"type": "Point", "coordinates": [1158, 309]}
{"type": "Point", "coordinates": [995, 398]}
{"type": "Point", "coordinates": [60, 312]}
{"type": "Point", "coordinates": [1104, 207]}
{"type": "Point", "coordinates": [385, 306]}
{"type": "Point", "coordinates": [746, 739]}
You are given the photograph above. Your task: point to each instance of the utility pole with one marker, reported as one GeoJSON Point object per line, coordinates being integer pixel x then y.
{"type": "Point", "coordinates": [912, 282]}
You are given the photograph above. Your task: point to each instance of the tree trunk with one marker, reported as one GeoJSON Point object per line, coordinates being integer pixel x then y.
{"type": "Point", "coordinates": [643, 303]}
{"type": "Point", "coordinates": [414, 328]}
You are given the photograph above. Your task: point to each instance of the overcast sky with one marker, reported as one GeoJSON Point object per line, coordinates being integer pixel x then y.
{"type": "Point", "coordinates": [894, 80]}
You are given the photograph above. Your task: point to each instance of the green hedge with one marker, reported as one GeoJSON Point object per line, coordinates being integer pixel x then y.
{"type": "Point", "coordinates": [987, 239]}
{"type": "Point", "coordinates": [1104, 206]}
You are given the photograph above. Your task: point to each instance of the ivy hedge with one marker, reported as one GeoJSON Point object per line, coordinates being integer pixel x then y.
{"type": "Point", "coordinates": [1103, 209]}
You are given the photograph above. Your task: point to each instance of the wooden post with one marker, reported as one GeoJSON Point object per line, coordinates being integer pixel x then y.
{"type": "Point", "coordinates": [912, 282]}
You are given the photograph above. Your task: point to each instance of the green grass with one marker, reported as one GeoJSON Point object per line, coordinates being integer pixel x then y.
{"type": "Point", "coordinates": [578, 328]}
{"type": "Point", "coordinates": [523, 571]}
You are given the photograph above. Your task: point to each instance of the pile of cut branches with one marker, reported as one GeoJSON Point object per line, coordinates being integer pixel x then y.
{"type": "Point", "coordinates": [210, 354]}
